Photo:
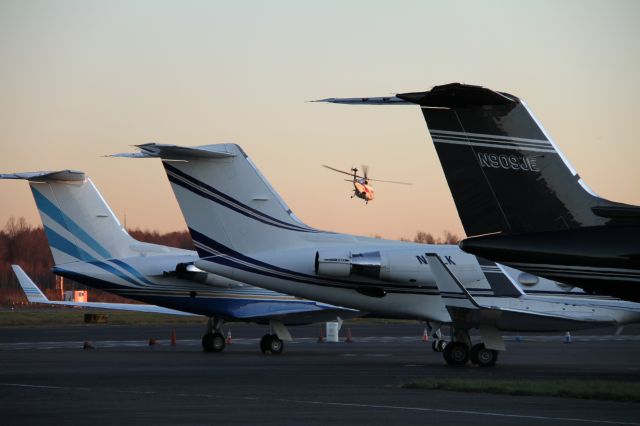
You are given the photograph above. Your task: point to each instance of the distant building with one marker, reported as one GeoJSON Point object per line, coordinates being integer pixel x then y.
{"type": "Point", "coordinates": [76, 296]}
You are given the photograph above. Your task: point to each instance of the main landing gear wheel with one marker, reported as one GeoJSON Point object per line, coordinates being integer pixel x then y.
{"type": "Point", "coordinates": [456, 353]}
{"type": "Point", "coordinates": [271, 343]}
{"type": "Point", "coordinates": [482, 356]}
{"type": "Point", "coordinates": [213, 342]}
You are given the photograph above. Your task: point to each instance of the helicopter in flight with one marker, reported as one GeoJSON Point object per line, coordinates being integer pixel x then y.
{"type": "Point", "coordinates": [361, 187]}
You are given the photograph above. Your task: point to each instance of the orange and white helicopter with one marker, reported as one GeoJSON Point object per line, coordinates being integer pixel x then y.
{"type": "Point", "coordinates": [361, 187]}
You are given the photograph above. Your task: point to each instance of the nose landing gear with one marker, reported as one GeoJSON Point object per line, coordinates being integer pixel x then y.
{"type": "Point", "coordinates": [213, 340]}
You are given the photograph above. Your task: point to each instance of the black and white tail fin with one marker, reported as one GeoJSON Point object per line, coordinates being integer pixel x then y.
{"type": "Point", "coordinates": [226, 202]}
{"type": "Point", "coordinates": [78, 222]}
{"type": "Point", "coordinates": [503, 169]}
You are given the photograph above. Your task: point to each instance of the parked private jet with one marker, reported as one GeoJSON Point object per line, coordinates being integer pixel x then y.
{"type": "Point", "coordinates": [90, 246]}
{"type": "Point", "coordinates": [244, 231]}
{"type": "Point", "coordinates": [519, 197]}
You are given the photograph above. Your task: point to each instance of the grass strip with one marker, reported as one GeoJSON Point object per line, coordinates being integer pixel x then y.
{"type": "Point", "coordinates": [583, 389]}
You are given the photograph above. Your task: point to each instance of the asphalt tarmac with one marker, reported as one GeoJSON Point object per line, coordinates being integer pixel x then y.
{"type": "Point", "coordinates": [46, 377]}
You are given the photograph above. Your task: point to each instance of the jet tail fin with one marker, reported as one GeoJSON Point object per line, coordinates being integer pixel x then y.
{"type": "Point", "coordinates": [504, 171]}
{"type": "Point", "coordinates": [227, 203]}
{"type": "Point", "coordinates": [78, 222]}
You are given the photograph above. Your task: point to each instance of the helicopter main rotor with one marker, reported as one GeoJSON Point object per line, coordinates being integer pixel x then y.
{"type": "Point", "coordinates": [365, 170]}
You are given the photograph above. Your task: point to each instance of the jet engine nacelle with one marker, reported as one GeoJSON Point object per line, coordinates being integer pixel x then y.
{"type": "Point", "coordinates": [333, 264]}
{"type": "Point", "coordinates": [396, 267]}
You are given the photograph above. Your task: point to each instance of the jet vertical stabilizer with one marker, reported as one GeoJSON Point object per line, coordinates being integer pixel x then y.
{"type": "Point", "coordinates": [79, 224]}
{"type": "Point", "coordinates": [226, 201]}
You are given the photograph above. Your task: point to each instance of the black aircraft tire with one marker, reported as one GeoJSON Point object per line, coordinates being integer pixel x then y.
{"type": "Point", "coordinates": [264, 343]}
{"type": "Point", "coordinates": [219, 342]}
{"type": "Point", "coordinates": [207, 342]}
{"type": "Point", "coordinates": [276, 346]}
{"type": "Point", "coordinates": [456, 353]}
{"type": "Point", "coordinates": [482, 356]}
{"type": "Point", "coordinates": [213, 342]}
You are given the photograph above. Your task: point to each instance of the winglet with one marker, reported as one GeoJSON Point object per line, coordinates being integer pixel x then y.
{"type": "Point", "coordinates": [450, 287]}
{"type": "Point", "coordinates": [31, 290]}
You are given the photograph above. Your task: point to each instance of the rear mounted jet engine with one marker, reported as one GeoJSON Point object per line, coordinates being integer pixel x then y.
{"type": "Point", "coordinates": [385, 266]}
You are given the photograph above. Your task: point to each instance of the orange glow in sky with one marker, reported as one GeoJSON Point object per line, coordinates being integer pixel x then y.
{"type": "Point", "coordinates": [81, 79]}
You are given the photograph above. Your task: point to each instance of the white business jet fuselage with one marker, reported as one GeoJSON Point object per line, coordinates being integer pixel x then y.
{"type": "Point", "coordinates": [243, 230]}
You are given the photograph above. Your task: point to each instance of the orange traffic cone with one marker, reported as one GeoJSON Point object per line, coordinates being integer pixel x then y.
{"type": "Point", "coordinates": [152, 341]}
{"type": "Point", "coordinates": [229, 339]}
{"type": "Point", "coordinates": [425, 336]}
{"type": "Point", "coordinates": [173, 337]}
{"type": "Point", "coordinates": [348, 339]}
{"type": "Point", "coordinates": [321, 337]}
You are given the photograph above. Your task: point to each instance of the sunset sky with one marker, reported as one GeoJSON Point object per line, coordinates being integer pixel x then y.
{"type": "Point", "coordinates": [81, 79]}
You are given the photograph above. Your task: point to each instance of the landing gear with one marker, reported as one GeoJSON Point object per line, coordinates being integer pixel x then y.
{"type": "Point", "coordinates": [459, 350]}
{"type": "Point", "coordinates": [213, 340]}
{"type": "Point", "coordinates": [482, 356]}
{"type": "Point", "coordinates": [456, 353]}
{"type": "Point", "coordinates": [271, 343]}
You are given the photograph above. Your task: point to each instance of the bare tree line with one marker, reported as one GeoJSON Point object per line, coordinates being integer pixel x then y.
{"type": "Point", "coordinates": [26, 245]}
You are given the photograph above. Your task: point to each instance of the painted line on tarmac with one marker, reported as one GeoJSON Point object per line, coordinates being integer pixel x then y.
{"type": "Point", "coordinates": [469, 412]}
{"type": "Point", "coordinates": [335, 404]}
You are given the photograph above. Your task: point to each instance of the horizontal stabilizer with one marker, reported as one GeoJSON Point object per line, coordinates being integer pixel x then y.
{"type": "Point", "coordinates": [35, 295]}
{"type": "Point", "coordinates": [175, 152]}
{"type": "Point", "coordinates": [381, 100]}
{"type": "Point", "coordinates": [60, 175]}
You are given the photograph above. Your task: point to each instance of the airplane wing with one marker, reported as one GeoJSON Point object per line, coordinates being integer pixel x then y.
{"type": "Point", "coordinates": [299, 314]}
{"type": "Point", "coordinates": [34, 295]}
{"type": "Point", "coordinates": [533, 316]}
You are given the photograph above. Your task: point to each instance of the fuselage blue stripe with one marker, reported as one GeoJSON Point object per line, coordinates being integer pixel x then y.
{"type": "Point", "coordinates": [114, 271]}
{"type": "Point", "coordinates": [131, 270]}
{"type": "Point", "coordinates": [58, 242]}
{"type": "Point", "coordinates": [230, 307]}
